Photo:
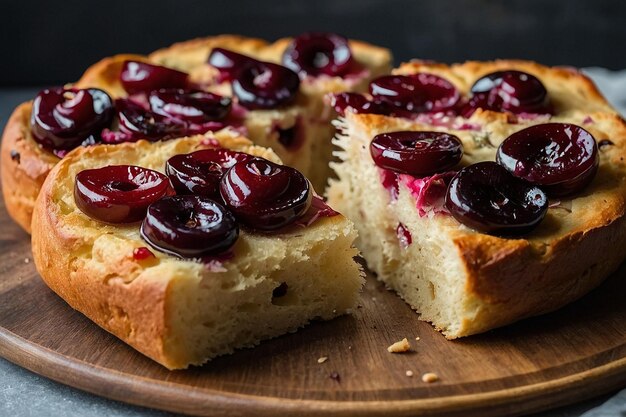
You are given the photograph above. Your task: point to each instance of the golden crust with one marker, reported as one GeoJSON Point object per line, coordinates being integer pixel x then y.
{"type": "Point", "coordinates": [24, 166]}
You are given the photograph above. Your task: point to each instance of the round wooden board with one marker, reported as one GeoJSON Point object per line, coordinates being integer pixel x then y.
{"type": "Point", "coordinates": [573, 354]}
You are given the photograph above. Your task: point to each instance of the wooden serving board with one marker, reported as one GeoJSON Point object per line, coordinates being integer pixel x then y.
{"type": "Point", "coordinates": [573, 354]}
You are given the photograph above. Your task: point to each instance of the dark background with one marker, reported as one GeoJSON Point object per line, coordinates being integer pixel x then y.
{"type": "Point", "coordinates": [51, 42]}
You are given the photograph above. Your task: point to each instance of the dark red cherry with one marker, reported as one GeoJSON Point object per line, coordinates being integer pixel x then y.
{"type": "Point", "coordinates": [63, 119]}
{"type": "Point", "coordinates": [560, 158]}
{"type": "Point", "coordinates": [135, 122]}
{"type": "Point", "coordinates": [416, 93]}
{"type": "Point", "coordinates": [488, 198]}
{"type": "Point", "coordinates": [138, 77]}
{"type": "Point", "coordinates": [228, 63]}
{"type": "Point", "coordinates": [317, 53]}
{"type": "Point", "coordinates": [189, 226]}
{"type": "Point", "coordinates": [192, 106]}
{"type": "Point", "coordinates": [200, 172]}
{"type": "Point", "coordinates": [416, 153]}
{"type": "Point", "coordinates": [358, 103]}
{"type": "Point", "coordinates": [119, 193]}
{"type": "Point", "coordinates": [263, 85]}
{"type": "Point", "coordinates": [512, 91]}
{"type": "Point", "coordinates": [264, 195]}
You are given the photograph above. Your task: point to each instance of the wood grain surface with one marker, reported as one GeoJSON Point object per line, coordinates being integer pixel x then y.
{"type": "Point", "coordinates": [564, 357]}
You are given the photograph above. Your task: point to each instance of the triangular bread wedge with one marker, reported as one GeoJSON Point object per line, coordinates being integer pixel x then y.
{"type": "Point", "coordinates": [183, 312]}
{"type": "Point", "coordinates": [462, 281]}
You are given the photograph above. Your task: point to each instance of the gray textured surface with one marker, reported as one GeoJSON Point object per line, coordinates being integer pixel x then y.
{"type": "Point", "coordinates": [24, 394]}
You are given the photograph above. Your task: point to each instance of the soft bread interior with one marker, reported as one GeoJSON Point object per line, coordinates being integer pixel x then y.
{"type": "Point", "coordinates": [182, 312]}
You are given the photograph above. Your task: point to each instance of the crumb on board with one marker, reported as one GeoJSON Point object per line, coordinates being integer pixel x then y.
{"type": "Point", "coordinates": [417, 338]}
{"type": "Point", "coordinates": [430, 377]}
{"type": "Point", "coordinates": [26, 260]}
{"type": "Point", "coordinates": [399, 347]}
{"type": "Point", "coordinates": [409, 373]}
{"type": "Point", "coordinates": [322, 359]}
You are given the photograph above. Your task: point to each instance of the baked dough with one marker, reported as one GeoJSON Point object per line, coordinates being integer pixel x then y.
{"type": "Point", "coordinates": [183, 312]}
{"type": "Point", "coordinates": [465, 282]}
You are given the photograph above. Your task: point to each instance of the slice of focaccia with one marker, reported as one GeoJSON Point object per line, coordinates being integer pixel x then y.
{"type": "Point", "coordinates": [183, 310]}
{"type": "Point", "coordinates": [463, 275]}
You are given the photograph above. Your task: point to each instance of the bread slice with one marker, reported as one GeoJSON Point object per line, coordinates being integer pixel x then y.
{"type": "Point", "coordinates": [460, 280]}
{"type": "Point", "coordinates": [24, 165]}
{"type": "Point", "coordinates": [182, 312]}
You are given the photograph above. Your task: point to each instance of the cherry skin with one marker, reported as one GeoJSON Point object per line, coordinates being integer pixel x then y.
{"type": "Point", "coordinates": [200, 172]}
{"type": "Point", "coordinates": [135, 122]}
{"type": "Point", "coordinates": [358, 103]}
{"type": "Point", "coordinates": [315, 53]}
{"type": "Point", "coordinates": [228, 63]}
{"type": "Point", "coordinates": [189, 226]}
{"type": "Point", "coordinates": [416, 93]}
{"type": "Point", "coordinates": [119, 193]}
{"type": "Point", "coordinates": [489, 199]}
{"type": "Point", "coordinates": [512, 91]}
{"type": "Point", "coordinates": [560, 158]}
{"type": "Point", "coordinates": [193, 106]}
{"type": "Point", "coordinates": [264, 195]}
{"type": "Point", "coordinates": [63, 119]}
{"type": "Point", "coordinates": [263, 85]}
{"type": "Point", "coordinates": [416, 153]}
{"type": "Point", "coordinates": [139, 77]}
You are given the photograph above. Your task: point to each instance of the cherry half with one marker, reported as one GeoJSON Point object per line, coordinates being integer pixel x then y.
{"type": "Point", "coordinates": [512, 91]}
{"type": "Point", "coordinates": [416, 93]}
{"type": "Point", "coordinates": [119, 193]}
{"type": "Point", "coordinates": [136, 122]}
{"type": "Point", "coordinates": [264, 195]}
{"type": "Point", "coordinates": [139, 77]}
{"type": "Point", "coordinates": [200, 172]}
{"type": "Point", "coordinates": [416, 153]}
{"type": "Point", "coordinates": [193, 106]}
{"type": "Point", "coordinates": [63, 119]}
{"type": "Point", "coordinates": [488, 198]}
{"type": "Point", "coordinates": [560, 158]}
{"type": "Point", "coordinates": [228, 63]}
{"type": "Point", "coordinates": [316, 53]}
{"type": "Point", "coordinates": [264, 85]}
{"type": "Point", "coordinates": [189, 226]}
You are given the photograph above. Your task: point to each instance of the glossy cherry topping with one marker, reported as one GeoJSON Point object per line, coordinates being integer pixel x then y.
{"type": "Point", "coordinates": [228, 63]}
{"type": "Point", "coordinates": [264, 195]}
{"type": "Point", "coordinates": [358, 103]}
{"type": "Point", "coordinates": [561, 158]}
{"type": "Point", "coordinates": [513, 91]}
{"type": "Point", "coordinates": [189, 226]}
{"type": "Point", "coordinates": [119, 193]}
{"type": "Point", "coordinates": [317, 53]}
{"type": "Point", "coordinates": [264, 85]}
{"type": "Point", "coordinates": [136, 122]}
{"type": "Point", "coordinates": [416, 93]}
{"type": "Point", "coordinates": [138, 77]}
{"type": "Point", "coordinates": [142, 253]}
{"type": "Point", "coordinates": [488, 198]}
{"type": "Point", "coordinates": [416, 153]}
{"type": "Point", "coordinates": [200, 172]}
{"type": "Point", "coordinates": [63, 119]}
